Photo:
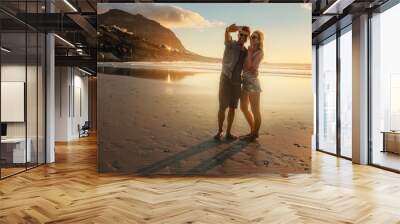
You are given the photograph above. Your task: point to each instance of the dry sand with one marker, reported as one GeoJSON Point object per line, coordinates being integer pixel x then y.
{"type": "Point", "coordinates": [151, 127]}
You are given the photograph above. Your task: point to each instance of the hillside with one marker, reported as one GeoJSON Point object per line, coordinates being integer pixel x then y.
{"type": "Point", "coordinates": [126, 37]}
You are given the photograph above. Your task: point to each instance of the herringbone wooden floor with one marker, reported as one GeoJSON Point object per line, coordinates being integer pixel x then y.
{"type": "Point", "coordinates": [71, 191]}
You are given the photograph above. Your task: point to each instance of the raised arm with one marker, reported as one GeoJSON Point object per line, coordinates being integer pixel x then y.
{"type": "Point", "coordinates": [228, 30]}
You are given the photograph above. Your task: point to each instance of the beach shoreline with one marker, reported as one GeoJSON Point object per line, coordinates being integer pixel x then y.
{"type": "Point", "coordinates": [161, 127]}
{"type": "Point", "coordinates": [269, 69]}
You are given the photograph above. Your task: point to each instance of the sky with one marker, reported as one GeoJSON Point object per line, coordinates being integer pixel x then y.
{"type": "Point", "coordinates": [201, 26]}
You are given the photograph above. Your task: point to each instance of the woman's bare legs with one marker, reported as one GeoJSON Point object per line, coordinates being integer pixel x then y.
{"type": "Point", "coordinates": [254, 99]}
{"type": "Point", "coordinates": [244, 106]}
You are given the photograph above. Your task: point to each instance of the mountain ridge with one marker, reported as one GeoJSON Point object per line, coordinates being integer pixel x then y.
{"type": "Point", "coordinates": [123, 36]}
{"type": "Point", "coordinates": [142, 26]}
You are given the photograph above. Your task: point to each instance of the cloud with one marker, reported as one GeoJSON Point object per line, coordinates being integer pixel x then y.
{"type": "Point", "coordinates": [167, 15]}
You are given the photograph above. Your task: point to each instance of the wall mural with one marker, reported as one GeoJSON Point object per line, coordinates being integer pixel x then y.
{"type": "Point", "coordinates": [204, 89]}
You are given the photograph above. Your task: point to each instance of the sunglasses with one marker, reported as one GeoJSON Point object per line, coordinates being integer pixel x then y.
{"type": "Point", "coordinates": [243, 35]}
{"type": "Point", "coordinates": [254, 37]}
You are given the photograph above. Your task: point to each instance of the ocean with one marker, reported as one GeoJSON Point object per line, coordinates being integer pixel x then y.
{"type": "Point", "coordinates": [281, 83]}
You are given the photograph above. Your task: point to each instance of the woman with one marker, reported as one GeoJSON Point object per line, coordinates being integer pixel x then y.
{"type": "Point", "coordinates": [251, 88]}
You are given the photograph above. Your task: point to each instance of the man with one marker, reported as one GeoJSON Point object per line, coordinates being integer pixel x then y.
{"type": "Point", "coordinates": [230, 81]}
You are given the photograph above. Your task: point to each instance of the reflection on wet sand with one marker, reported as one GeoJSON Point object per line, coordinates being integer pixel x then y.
{"type": "Point", "coordinates": [168, 75]}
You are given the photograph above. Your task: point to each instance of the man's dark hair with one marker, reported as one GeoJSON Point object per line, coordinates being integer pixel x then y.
{"type": "Point", "coordinates": [246, 29]}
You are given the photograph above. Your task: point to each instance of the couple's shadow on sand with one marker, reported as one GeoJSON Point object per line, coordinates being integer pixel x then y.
{"type": "Point", "coordinates": [216, 157]}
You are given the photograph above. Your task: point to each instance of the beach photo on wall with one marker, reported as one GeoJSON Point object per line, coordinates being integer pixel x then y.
{"type": "Point", "coordinates": [204, 88]}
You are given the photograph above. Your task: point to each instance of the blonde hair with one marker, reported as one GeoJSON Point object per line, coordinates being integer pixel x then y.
{"type": "Point", "coordinates": [260, 39]}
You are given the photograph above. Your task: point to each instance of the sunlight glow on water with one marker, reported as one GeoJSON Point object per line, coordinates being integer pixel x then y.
{"type": "Point", "coordinates": [169, 78]}
{"type": "Point", "coordinates": [265, 69]}
{"type": "Point", "coordinates": [276, 88]}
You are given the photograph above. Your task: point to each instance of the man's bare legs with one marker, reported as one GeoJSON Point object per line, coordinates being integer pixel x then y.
{"type": "Point", "coordinates": [221, 119]}
{"type": "Point", "coordinates": [231, 117]}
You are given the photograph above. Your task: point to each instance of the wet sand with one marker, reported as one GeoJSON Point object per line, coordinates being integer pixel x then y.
{"type": "Point", "coordinates": [153, 126]}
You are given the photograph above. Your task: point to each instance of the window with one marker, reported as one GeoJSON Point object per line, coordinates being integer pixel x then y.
{"type": "Point", "coordinates": [346, 93]}
{"type": "Point", "coordinates": [395, 102]}
{"type": "Point", "coordinates": [22, 77]}
{"type": "Point", "coordinates": [327, 95]}
{"type": "Point", "coordinates": [385, 89]}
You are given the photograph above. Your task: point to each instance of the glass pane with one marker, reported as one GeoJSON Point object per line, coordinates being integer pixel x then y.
{"type": "Point", "coordinates": [23, 88]}
{"type": "Point", "coordinates": [31, 98]}
{"type": "Point", "coordinates": [327, 96]}
{"type": "Point", "coordinates": [346, 94]}
{"type": "Point", "coordinates": [31, 88]}
{"type": "Point", "coordinates": [13, 86]}
{"type": "Point", "coordinates": [386, 89]}
{"type": "Point", "coordinates": [41, 99]}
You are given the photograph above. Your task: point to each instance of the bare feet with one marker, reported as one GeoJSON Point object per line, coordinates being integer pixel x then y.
{"type": "Point", "coordinates": [250, 137]}
{"type": "Point", "coordinates": [218, 136]}
{"type": "Point", "coordinates": [245, 136]}
{"type": "Point", "coordinates": [230, 137]}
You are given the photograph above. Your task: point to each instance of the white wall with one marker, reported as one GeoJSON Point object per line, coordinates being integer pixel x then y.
{"type": "Point", "coordinates": [70, 83]}
{"type": "Point", "coordinates": [62, 81]}
{"type": "Point", "coordinates": [80, 111]}
{"type": "Point", "coordinates": [33, 127]}
{"type": "Point", "coordinates": [15, 73]}
{"type": "Point", "coordinates": [10, 73]}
